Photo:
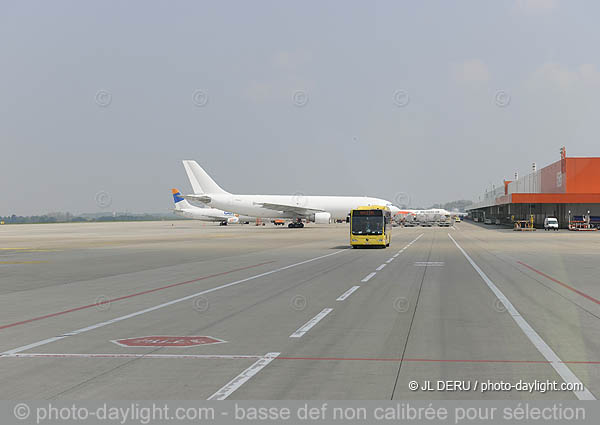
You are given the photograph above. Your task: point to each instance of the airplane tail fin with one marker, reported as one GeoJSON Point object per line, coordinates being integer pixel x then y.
{"type": "Point", "coordinates": [201, 182]}
{"type": "Point", "coordinates": [180, 202]}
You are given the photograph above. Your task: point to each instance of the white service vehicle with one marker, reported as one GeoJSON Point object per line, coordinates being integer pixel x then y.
{"type": "Point", "coordinates": [551, 223]}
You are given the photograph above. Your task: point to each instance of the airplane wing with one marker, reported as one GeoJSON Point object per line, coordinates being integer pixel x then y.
{"type": "Point", "coordinates": [200, 198]}
{"type": "Point", "coordinates": [294, 209]}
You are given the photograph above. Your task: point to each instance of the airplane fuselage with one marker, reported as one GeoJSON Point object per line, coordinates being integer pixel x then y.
{"type": "Point", "coordinates": [338, 206]}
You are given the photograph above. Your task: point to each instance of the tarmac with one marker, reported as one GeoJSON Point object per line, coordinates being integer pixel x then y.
{"type": "Point", "coordinates": [296, 313]}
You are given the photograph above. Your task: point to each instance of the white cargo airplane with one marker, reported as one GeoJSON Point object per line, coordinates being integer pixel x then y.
{"type": "Point", "coordinates": [185, 209]}
{"type": "Point", "coordinates": [318, 209]}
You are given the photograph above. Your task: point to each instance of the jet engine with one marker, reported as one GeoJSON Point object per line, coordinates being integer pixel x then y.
{"type": "Point", "coordinates": [322, 218]}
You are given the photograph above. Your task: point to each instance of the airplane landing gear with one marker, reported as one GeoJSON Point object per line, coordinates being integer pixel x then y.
{"type": "Point", "coordinates": [296, 224]}
{"type": "Point", "coordinates": [223, 223]}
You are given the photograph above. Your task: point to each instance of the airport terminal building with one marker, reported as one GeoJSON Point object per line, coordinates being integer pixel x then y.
{"type": "Point", "coordinates": [568, 189]}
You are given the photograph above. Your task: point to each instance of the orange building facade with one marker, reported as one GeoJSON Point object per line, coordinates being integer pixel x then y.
{"type": "Point", "coordinates": [567, 189]}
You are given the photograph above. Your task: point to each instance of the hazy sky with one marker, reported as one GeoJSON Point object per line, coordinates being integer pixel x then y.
{"type": "Point", "coordinates": [435, 100]}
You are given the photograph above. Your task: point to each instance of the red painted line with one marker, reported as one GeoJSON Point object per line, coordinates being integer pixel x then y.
{"type": "Point", "coordinates": [242, 356]}
{"type": "Point", "coordinates": [172, 285]}
{"type": "Point", "coordinates": [372, 359]}
{"type": "Point", "coordinates": [132, 356]}
{"type": "Point", "coordinates": [577, 291]}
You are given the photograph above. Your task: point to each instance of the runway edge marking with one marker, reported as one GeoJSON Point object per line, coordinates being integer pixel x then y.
{"type": "Point", "coordinates": [243, 377]}
{"type": "Point", "coordinates": [159, 306]}
{"type": "Point", "coordinates": [559, 366]}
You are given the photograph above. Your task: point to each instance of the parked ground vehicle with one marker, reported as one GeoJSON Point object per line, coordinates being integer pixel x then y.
{"type": "Point", "coordinates": [445, 222]}
{"type": "Point", "coordinates": [523, 225]}
{"type": "Point", "coordinates": [551, 223]}
{"type": "Point", "coordinates": [488, 221]}
{"type": "Point", "coordinates": [594, 221]}
{"type": "Point", "coordinates": [498, 221]}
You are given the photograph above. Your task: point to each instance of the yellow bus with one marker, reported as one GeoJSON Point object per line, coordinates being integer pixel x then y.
{"type": "Point", "coordinates": [371, 226]}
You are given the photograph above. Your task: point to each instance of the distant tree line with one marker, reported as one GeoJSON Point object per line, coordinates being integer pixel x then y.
{"type": "Point", "coordinates": [14, 219]}
{"type": "Point", "coordinates": [69, 218]}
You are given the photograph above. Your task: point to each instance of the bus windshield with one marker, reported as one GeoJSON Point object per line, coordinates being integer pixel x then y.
{"type": "Point", "coordinates": [367, 225]}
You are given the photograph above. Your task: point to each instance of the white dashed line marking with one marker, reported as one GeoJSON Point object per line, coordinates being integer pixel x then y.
{"type": "Point", "coordinates": [243, 377]}
{"type": "Point", "coordinates": [381, 267]}
{"type": "Point", "coordinates": [312, 322]}
{"type": "Point", "coordinates": [368, 277]}
{"type": "Point", "coordinates": [347, 293]}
